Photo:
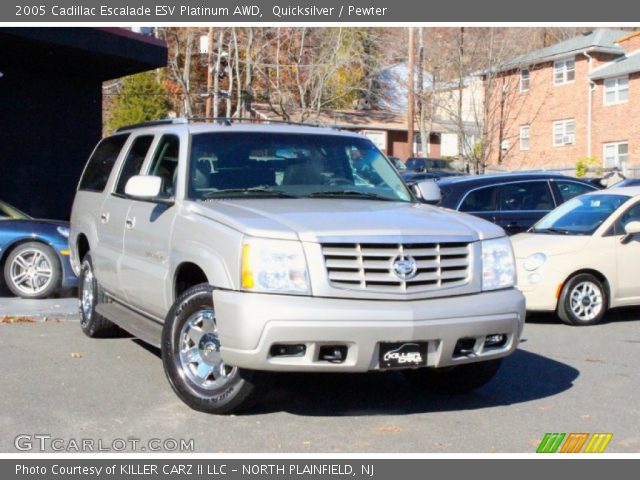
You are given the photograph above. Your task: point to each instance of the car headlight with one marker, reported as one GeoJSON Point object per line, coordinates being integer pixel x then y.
{"type": "Point", "coordinates": [498, 269]}
{"type": "Point", "coordinates": [274, 266]}
{"type": "Point", "coordinates": [64, 231]}
{"type": "Point", "coordinates": [534, 261]}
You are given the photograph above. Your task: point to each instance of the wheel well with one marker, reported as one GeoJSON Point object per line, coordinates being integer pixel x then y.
{"type": "Point", "coordinates": [596, 274]}
{"type": "Point", "coordinates": [83, 246]}
{"type": "Point", "coordinates": [188, 275]}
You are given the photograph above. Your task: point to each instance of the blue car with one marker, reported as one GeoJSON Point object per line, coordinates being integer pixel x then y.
{"type": "Point", "coordinates": [34, 254]}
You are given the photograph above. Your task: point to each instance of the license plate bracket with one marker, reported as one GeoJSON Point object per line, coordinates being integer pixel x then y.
{"type": "Point", "coordinates": [402, 355]}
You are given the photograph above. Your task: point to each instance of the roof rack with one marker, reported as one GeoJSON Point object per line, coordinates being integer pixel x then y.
{"type": "Point", "coordinates": [225, 121]}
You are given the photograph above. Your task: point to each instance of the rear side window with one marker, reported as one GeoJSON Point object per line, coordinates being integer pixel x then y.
{"type": "Point", "coordinates": [133, 162]}
{"type": "Point", "coordinates": [531, 196]}
{"type": "Point", "coordinates": [568, 190]}
{"type": "Point", "coordinates": [481, 200]}
{"type": "Point", "coordinates": [96, 174]}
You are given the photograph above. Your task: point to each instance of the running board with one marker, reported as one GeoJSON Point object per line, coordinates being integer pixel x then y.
{"type": "Point", "coordinates": [138, 325]}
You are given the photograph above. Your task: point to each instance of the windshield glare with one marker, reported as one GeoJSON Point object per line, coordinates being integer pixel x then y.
{"type": "Point", "coordinates": [581, 215]}
{"type": "Point", "coordinates": [242, 164]}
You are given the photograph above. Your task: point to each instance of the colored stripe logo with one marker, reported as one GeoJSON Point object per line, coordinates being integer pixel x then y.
{"type": "Point", "coordinates": [574, 443]}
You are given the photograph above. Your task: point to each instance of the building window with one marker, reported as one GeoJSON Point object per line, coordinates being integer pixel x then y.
{"type": "Point", "coordinates": [564, 133]}
{"type": "Point", "coordinates": [524, 137]}
{"type": "Point", "coordinates": [616, 90]}
{"type": "Point", "coordinates": [564, 71]}
{"type": "Point", "coordinates": [615, 154]}
{"type": "Point", "coordinates": [525, 76]}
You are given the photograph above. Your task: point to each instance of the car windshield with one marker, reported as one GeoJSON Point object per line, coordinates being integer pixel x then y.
{"type": "Point", "coordinates": [267, 164]}
{"type": "Point", "coordinates": [581, 215]}
{"type": "Point", "coordinates": [7, 212]}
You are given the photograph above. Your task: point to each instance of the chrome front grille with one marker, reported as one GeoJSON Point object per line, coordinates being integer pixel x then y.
{"type": "Point", "coordinates": [371, 266]}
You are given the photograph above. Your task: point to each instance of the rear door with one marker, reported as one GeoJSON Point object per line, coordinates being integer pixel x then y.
{"type": "Point", "coordinates": [114, 213]}
{"type": "Point", "coordinates": [522, 204]}
{"type": "Point", "coordinates": [481, 202]}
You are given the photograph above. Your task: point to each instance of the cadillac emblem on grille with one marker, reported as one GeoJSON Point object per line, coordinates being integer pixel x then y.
{"type": "Point", "coordinates": [405, 268]}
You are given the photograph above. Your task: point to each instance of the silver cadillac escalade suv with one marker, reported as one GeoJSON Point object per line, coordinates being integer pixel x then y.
{"type": "Point", "coordinates": [241, 250]}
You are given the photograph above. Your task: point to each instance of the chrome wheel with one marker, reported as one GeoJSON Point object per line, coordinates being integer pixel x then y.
{"type": "Point", "coordinates": [586, 301]}
{"type": "Point", "coordinates": [86, 298]}
{"type": "Point", "coordinates": [31, 271]}
{"type": "Point", "coordinates": [199, 354]}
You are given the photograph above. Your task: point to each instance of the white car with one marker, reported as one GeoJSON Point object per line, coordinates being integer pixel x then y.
{"type": "Point", "coordinates": [583, 257]}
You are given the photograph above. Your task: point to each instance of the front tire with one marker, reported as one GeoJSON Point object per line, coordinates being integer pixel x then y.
{"type": "Point", "coordinates": [90, 294]}
{"type": "Point", "coordinates": [583, 301]}
{"type": "Point", "coordinates": [32, 270]}
{"type": "Point", "coordinates": [193, 363]}
{"type": "Point", "coordinates": [455, 380]}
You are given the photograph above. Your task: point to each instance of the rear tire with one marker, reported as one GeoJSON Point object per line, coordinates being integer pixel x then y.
{"type": "Point", "coordinates": [90, 294]}
{"type": "Point", "coordinates": [455, 380]}
{"type": "Point", "coordinates": [583, 300]}
{"type": "Point", "coordinates": [192, 360]}
{"type": "Point", "coordinates": [32, 270]}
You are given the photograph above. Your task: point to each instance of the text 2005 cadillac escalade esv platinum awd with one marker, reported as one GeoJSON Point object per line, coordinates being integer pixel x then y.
{"type": "Point", "coordinates": [246, 249]}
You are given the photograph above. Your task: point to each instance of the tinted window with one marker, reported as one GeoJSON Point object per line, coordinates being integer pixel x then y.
{"type": "Point", "coordinates": [165, 162]}
{"type": "Point", "coordinates": [526, 196]}
{"type": "Point", "coordinates": [97, 172]}
{"type": "Point", "coordinates": [133, 162]}
{"type": "Point", "coordinates": [568, 190]}
{"type": "Point", "coordinates": [632, 214]}
{"type": "Point", "coordinates": [481, 200]}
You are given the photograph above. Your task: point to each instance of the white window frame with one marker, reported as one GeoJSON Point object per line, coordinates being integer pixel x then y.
{"type": "Point", "coordinates": [618, 159]}
{"type": "Point", "coordinates": [522, 79]}
{"type": "Point", "coordinates": [523, 137]}
{"type": "Point", "coordinates": [562, 64]}
{"type": "Point", "coordinates": [563, 124]}
{"type": "Point", "coordinates": [615, 88]}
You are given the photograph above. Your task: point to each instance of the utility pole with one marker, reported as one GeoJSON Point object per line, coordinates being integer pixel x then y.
{"type": "Point", "coordinates": [411, 88]}
{"type": "Point", "coordinates": [210, 72]}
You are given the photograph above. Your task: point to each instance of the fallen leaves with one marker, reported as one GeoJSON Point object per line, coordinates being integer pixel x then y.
{"type": "Point", "coordinates": [16, 319]}
{"type": "Point", "coordinates": [76, 355]}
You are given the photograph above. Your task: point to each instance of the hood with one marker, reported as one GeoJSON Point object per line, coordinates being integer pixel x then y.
{"type": "Point", "coordinates": [311, 219]}
{"type": "Point", "coordinates": [525, 244]}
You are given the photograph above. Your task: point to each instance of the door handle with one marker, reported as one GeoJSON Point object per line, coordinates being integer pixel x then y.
{"type": "Point", "coordinates": [104, 218]}
{"type": "Point", "coordinates": [130, 222]}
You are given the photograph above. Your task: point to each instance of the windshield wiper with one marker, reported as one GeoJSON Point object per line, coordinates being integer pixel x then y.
{"type": "Point", "coordinates": [262, 191]}
{"type": "Point", "coordinates": [561, 231]}
{"type": "Point", "coordinates": [348, 194]}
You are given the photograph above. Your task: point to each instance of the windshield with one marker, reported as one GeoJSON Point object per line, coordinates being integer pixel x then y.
{"type": "Point", "coordinates": [9, 212]}
{"type": "Point", "coordinates": [581, 215]}
{"type": "Point", "coordinates": [250, 164]}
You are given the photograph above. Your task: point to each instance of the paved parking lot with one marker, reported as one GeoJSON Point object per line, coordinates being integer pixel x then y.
{"type": "Point", "coordinates": [562, 379]}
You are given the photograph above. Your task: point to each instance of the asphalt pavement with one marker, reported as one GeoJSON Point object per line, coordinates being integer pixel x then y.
{"type": "Point", "coordinates": [59, 383]}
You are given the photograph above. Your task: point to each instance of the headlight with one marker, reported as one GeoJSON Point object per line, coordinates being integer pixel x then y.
{"type": "Point", "coordinates": [274, 266]}
{"type": "Point", "coordinates": [534, 261]}
{"type": "Point", "coordinates": [64, 231]}
{"type": "Point", "coordinates": [498, 270]}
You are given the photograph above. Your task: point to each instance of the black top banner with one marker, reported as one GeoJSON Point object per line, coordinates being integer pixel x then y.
{"type": "Point", "coordinates": [334, 11]}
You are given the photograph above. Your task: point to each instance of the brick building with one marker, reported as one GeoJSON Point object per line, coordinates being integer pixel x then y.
{"type": "Point", "coordinates": [575, 99]}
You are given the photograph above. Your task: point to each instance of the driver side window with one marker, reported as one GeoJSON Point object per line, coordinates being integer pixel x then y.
{"type": "Point", "coordinates": [632, 214]}
{"type": "Point", "coordinates": [165, 163]}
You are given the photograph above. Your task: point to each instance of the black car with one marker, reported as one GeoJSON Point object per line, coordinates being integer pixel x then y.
{"type": "Point", "coordinates": [627, 182]}
{"type": "Point", "coordinates": [421, 164]}
{"type": "Point", "coordinates": [515, 201]}
{"type": "Point", "coordinates": [415, 177]}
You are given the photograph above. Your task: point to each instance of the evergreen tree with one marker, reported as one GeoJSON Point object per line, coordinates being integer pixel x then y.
{"type": "Point", "coordinates": [142, 97]}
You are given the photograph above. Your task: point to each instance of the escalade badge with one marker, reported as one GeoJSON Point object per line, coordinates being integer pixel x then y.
{"type": "Point", "coordinates": [405, 268]}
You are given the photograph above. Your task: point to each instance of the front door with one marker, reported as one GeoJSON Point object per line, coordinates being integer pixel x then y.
{"type": "Point", "coordinates": [145, 266]}
{"type": "Point", "coordinates": [522, 204]}
{"type": "Point", "coordinates": [628, 258]}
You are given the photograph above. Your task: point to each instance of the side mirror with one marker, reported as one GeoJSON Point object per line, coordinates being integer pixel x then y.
{"type": "Point", "coordinates": [146, 188]}
{"type": "Point", "coordinates": [631, 229]}
{"type": "Point", "coordinates": [428, 192]}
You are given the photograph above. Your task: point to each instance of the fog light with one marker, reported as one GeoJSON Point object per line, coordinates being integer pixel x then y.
{"type": "Point", "coordinates": [281, 350]}
{"type": "Point", "coordinates": [495, 340]}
